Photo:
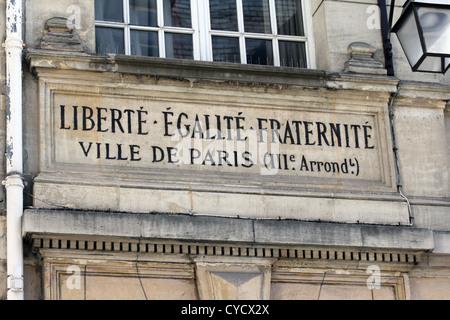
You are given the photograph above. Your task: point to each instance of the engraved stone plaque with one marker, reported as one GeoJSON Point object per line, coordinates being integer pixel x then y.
{"type": "Point", "coordinates": [218, 150]}
{"type": "Point", "coordinates": [286, 144]}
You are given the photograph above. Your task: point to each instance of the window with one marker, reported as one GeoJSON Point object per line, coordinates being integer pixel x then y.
{"type": "Point", "coordinates": [155, 28]}
{"type": "Point", "coordinates": [265, 32]}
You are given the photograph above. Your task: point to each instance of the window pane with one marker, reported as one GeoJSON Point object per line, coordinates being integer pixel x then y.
{"type": "Point", "coordinates": [292, 54]}
{"type": "Point", "coordinates": [109, 10]}
{"type": "Point", "coordinates": [289, 17]}
{"type": "Point", "coordinates": [256, 16]}
{"type": "Point", "coordinates": [144, 43]}
{"type": "Point", "coordinates": [109, 40]}
{"type": "Point", "coordinates": [143, 13]}
{"type": "Point", "coordinates": [226, 49]}
{"type": "Point", "coordinates": [223, 15]}
{"type": "Point", "coordinates": [259, 51]}
{"type": "Point", "coordinates": [177, 13]}
{"type": "Point", "coordinates": [179, 46]}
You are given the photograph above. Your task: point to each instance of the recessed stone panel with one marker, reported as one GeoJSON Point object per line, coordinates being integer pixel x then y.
{"type": "Point", "coordinates": [143, 145]}
{"type": "Point", "coordinates": [295, 144]}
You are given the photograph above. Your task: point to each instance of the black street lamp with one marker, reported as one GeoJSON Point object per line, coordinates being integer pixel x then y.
{"type": "Point", "coordinates": [423, 31]}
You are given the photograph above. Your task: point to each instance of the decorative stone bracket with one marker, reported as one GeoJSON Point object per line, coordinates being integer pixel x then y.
{"type": "Point", "coordinates": [362, 60]}
{"type": "Point", "coordinates": [222, 281]}
{"type": "Point", "coordinates": [59, 36]}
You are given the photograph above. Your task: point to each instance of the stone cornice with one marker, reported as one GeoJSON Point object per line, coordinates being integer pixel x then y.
{"type": "Point", "coordinates": [423, 94]}
{"type": "Point", "coordinates": [48, 60]}
{"type": "Point", "coordinates": [229, 232]}
{"type": "Point", "coordinates": [69, 64]}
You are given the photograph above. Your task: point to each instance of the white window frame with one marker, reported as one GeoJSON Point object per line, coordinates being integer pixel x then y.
{"type": "Point", "coordinates": [202, 41]}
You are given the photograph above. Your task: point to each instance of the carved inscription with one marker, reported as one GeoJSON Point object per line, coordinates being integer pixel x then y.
{"type": "Point", "coordinates": [176, 135]}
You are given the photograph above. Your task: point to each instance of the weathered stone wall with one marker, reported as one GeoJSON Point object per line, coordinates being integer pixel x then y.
{"type": "Point", "coordinates": [56, 178]}
{"type": "Point", "coordinates": [79, 12]}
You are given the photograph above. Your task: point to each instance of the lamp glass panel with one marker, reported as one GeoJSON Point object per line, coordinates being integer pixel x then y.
{"type": "Point", "coordinates": [408, 35]}
{"type": "Point", "coordinates": [435, 23]}
{"type": "Point", "coordinates": [431, 64]}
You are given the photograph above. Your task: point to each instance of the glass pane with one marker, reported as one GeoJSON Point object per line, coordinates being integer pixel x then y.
{"type": "Point", "coordinates": [408, 35]}
{"type": "Point", "coordinates": [433, 64]}
{"type": "Point", "coordinates": [179, 46]}
{"type": "Point", "coordinates": [436, 29]}
{"type": "Point", "coordinates": [256, 16]}
{"type": "Point", "coordinates": [109, 10]}
{"type": "Point", "coordinates": [143, 13]}
{"type": "Point", "coordinates": [289, 17]}
{"type": "Point", "coordinates": [144, 43]}
{"type": "Point", "coordinates": [259, 51]}
{"type": "Point", "coordinates": [223, 15]}
{"type": "Point", "coordinates": [109, 40]}
{"type": "Point", "coordinates": [226, 49]}
{"type": "Point", "coordinates": [177, 13]}
{"type": "Point", "coordinates": [292, 54]}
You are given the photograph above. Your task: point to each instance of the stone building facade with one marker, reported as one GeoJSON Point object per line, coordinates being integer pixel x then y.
{"type": "Point", "coordinates": [161, 178]}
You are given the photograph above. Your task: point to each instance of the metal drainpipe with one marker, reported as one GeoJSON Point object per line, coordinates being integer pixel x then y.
{"type": "Point", "coordinates": [14, 168]}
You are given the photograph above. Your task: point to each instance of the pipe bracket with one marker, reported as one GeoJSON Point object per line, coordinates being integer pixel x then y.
{"type": "Point", "coordinates": [15, 284]}
{"type": "Point", "coordinates": [14, 179]}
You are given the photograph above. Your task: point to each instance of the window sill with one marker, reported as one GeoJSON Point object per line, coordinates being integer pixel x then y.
{"type": "Point", "coordinates": [204, 70]}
